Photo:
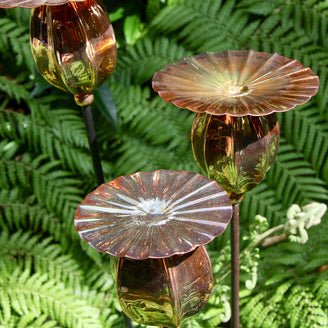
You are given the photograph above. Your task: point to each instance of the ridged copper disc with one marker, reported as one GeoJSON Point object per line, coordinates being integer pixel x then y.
{"type": "Point", "coordinates": [31, 3]}
{"type": "Point", "coordinates": [153, 214]}
{"type": "Point", "coordinates": [236, 83]}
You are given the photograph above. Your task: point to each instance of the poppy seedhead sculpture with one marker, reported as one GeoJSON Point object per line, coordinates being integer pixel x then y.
{"type": "Point", "coordinates": [156, 224]}
{"type": "Point", "coordinates": [74, 46]}
{"type": "Point", "coordinates": [235, 94]}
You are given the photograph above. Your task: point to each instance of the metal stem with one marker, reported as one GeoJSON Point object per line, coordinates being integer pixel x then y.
{"type": "Point", "coordinates": [128, 323]}
{"type": "Point", "coordinates": [91, 131]}
{"type": "Point", "coordinates": [89, 124]}
{"type": "Point", "coordinates": [235, 267]}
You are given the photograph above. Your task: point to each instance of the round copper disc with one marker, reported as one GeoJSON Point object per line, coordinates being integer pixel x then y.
{"type": "Point", "coordinates": [236, 83]}
{"type": "Point", "coordinates": [153, 214]}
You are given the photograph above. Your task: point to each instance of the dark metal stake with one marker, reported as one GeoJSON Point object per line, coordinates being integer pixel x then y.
{"type": "Point", "coordinates": [235, 267]}
{"type": "Point", "coordinates": [90, 127]}
{"type": "Point", "coordinates": [89, 124]}
{"type": "Point", "coordinates": [128, 323]}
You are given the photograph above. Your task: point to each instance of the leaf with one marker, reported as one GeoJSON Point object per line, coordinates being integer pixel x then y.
{"type": "Point", "coordinates": [117, 14]}
{"type": "Point", "coordinates": [105, 103]}
{"type": "Point", "coordinates": [132, 28]}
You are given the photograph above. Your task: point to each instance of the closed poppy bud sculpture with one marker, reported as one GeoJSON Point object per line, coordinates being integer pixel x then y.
{"type": "Point", "coordinates": [155, 225]}
{"type": "Point", "coordinates": [74, 46]}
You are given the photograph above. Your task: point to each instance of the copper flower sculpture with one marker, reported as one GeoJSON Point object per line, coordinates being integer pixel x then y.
{"type": "Point", "coordinates": [235, 134]}
{"type": "Point", "coordinates": [74, 46]}
{"type": "Point", "coordinates": [155, 224]}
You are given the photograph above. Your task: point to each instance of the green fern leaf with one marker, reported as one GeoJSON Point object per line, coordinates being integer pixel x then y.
{"type": "Point", "coordinates": [138, 63]}
{"type": "Point", "coordinates": [14, 39]}
{"type": "Point", "coordinates": [297, 181]}
{"type": "Point", "coordinates": [39, 295]}
{"type": "Point", "coordinates": [261, 200]}
{"type": "Point", "coordinates": [308, 132]}
{"type": "Point", "coordinates": [49, 139]}
{"type": "Point", "coordinates": [43, 257]}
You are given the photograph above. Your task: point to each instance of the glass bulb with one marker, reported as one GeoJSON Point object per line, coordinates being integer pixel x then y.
{"type": "Point", "coordinates": [163, 292]}
{"type": "Point", "coordinates": [235, 151]}
{"type": "Point", "coordinates": [73, 46]}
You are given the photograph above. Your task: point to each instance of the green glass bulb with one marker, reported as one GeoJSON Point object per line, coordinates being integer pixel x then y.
{"type": "Point", "coordinates": [235, 151]}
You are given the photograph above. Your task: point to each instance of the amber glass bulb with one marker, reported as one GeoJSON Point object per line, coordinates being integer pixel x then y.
{"type": "Point", "coordinates": [163, 292]}
{"type": "Point", "coordinates": [74, 46]}
{"type": "Point", "coordinates": [235, 151]}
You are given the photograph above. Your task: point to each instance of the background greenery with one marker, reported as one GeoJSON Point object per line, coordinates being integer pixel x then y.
{"type": "Point", "coordinates": [48, 277]}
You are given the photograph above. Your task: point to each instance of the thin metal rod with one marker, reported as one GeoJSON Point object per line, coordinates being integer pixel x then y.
{"type": "Point", "coordinates": [89, 124]}
{"type": "Point", "coordinates": [235, 267]}
{"type": "Point", "coordinates": [91, 131]}
{"type": "Point", "coordinates": [128, 323]}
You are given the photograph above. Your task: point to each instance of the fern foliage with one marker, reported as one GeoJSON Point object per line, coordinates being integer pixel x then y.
{"type": "Point", "coordinates": [48, 277]}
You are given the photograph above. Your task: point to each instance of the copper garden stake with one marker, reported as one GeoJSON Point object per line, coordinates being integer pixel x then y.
{"type": "Point", "coordinates": [155, 224]}
{"type": "Point", "coordinates": [235, 134]}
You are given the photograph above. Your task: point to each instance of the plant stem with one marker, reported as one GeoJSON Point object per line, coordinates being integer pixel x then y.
{"type": "Point", "coordinates": [270, 241]}
{"type": "Point", "coordinates": [235, 267]}
{"type": "Point", "coordinates": [268, 233]}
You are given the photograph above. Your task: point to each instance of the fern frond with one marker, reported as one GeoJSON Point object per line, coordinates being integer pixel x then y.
{"type": "Point", "coordinates": [19, 212]}
{"type": "Point", "coordinates": [253, 305]}
{"type": "Point", "coordinates": [304, 310]}
{"type": "Point", "coordinates": [13, 89]}
{"type": "Point", "coordinates": [258, 7]}
{"type": "Point", "coordinates": [30, 320]}
{"type": "Point", "coordinates": [206, 25]}
{"type": "Point", "coordinates": [308, 132]}
{"type": "Point", "coordinates": [138, 63]}
{"type": "Point", "coordinates": [137, 155]}
{"type": "Point", "coordinates": [39, 295]}
{"type": "Point", "coordinates": [308, 17]}
{"type": "Point", "coordinates": [153, 132]}
{"type": "Point", "coordinates": [53, 187]}
{"type": "Point", "coordinates": [277, 34]}
{"type": "Point", "coordinates": [321, 292]}
{"type": "Point", "coordinates": [14, 39]}
{"type": "Point", "coordinates": [294, 178]}
{"type": "Point", "coordinates": [261, 200]}
{"type": "Point", "coordinates": [150, 118]}
{"type": "Point", "coordinates": [42, 256]}
{"type": "Point", "coordinates": [322, 98]}
{"type": "Point", "coordinates": [57, 140]}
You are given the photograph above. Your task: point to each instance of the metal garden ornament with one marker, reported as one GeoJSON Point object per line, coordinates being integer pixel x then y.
{"type": "Point", "coordinates": [235, 134]}
{"type": "Point", "coordinates": [156, 224]}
